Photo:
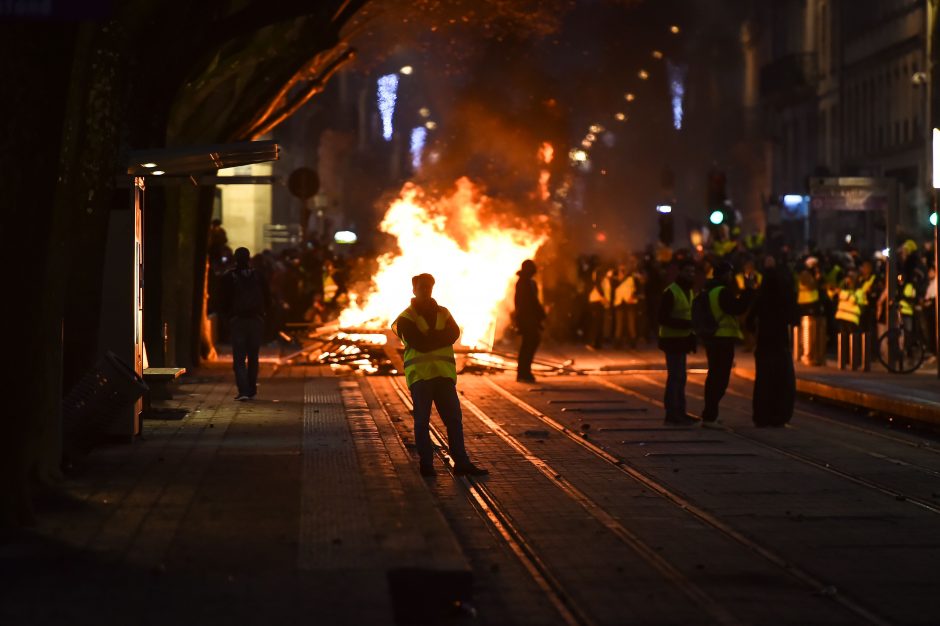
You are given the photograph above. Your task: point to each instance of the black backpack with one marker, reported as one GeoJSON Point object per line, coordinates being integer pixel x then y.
{"type": "Point", "coordinates": [247, 295]}
{"type": "Point", "coordinates": [703, 320]}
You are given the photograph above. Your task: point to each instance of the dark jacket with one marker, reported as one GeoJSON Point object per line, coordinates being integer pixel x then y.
{"type": "Point", "coordinates": [434, 339]}
{"type": "Point", "coordinates": [529, 313]}
{"type": "Point", "coordinates": [244, 294]}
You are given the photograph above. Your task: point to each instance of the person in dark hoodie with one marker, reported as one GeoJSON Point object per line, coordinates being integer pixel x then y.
{"type": "Point", "coordinates": [528, 315]}
{"type": "Point", "coordinates": [727, 303]}
{"type": "Point", "coordinates": [676, 340]}
{"type": "Point", "coordinates": [245, 300]}
{"type": "Point", "coordinates": [429, 332]}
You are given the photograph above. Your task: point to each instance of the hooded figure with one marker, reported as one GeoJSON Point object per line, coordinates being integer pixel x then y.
{"type": "Point", "coordinates": [528, 318]}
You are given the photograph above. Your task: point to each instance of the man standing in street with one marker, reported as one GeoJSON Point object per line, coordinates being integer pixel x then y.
{"type": "Point", "coordinates": [529, 316]}
{"type": "Point", "coordinates": [726, 305]}
{"type": "Point", "coordinates": [429, 332]}
{"type": "Point", "coordinates": [245, 298]}
{"type": "Point", "coordinates": [676, 340]}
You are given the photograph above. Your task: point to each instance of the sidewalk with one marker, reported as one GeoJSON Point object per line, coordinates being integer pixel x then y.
{"type": "Point", "coordinates": [298, 506]}
{"type": "Point", "coordinates": [910, 396]}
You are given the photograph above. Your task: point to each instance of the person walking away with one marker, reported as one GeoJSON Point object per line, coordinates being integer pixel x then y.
{"type": "Point", "coordinates": [726, 304]}
{"type": "Point", "coordinates": [625, 310]}
{"type": "Point", "coordinates": [429, 332]}
{"type": "Point", "coordinates": [529, 315]}
{"type": "Point", "coordinates": [676, 340]}
{"type": "Point", "coordinates": [773, 313]}
{"type": "Point", "coordinates": [246, 297]}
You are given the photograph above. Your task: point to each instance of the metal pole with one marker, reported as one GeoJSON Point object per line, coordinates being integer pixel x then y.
{"type": "Point", "coordinates": [931, 18]}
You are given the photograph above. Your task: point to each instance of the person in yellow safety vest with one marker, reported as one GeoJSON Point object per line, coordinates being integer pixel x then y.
{"type": "Point", "coordinates": [330, 288]}
{"type": "Point", "coordinates": [907, 300]}
{"type": "Point", "coordinates": [748, 276]}
{"type": "Point", "coordinates": [849, 311]}
{"type": "Point", "coordinates": [599, 302]}
{"type": "Point", "coordinates": [428, 332]}
{"type": "Point", "coordinates": [626, 305]}
{"type": "Point", "coordinates": [807, 296]}
{"type": "Point", "coordinates": [727, 303]}
{"type": "Point", "coordinates": [676, 340]}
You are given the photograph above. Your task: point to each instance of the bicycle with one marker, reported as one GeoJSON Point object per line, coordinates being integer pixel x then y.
{"type": "Point", "coordinates": [902, 350]}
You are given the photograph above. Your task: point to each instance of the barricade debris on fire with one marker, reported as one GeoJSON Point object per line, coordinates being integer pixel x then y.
{"type": "Point", "coordinates": [379, 352]}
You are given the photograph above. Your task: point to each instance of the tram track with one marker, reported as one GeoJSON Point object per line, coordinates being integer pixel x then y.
{"type": "Point", "coordinates": [503, 525]}
{"type": "Point", "coordinates": [803, 576]}
{"type": "Point", "coordinates": [819, 464]}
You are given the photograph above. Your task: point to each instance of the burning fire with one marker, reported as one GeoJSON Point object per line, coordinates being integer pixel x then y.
{"type": "Point", "coordinates": [474, 264]}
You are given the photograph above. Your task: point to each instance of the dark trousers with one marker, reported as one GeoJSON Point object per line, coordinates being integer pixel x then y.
{"type": "Point", "coordinates": [598, 323]}
{"type": "Point", "coordinates": [530, 343]}
{"type": "Point", "coordinates": [674, 398]}
{"type": "Point", "coordinates": [720, 353]}
{"type": "Point", "coordinates": [442, 392]}
{"type": "Point", "coordinates": [625, 327]}
{"type": "Point", "coordinates": [246, 343]}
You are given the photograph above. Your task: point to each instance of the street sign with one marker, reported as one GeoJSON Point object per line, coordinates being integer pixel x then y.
{"type": "Point", "coordinates": [849, 194]}
{"type": "Point", "coordinates": [304, 183]}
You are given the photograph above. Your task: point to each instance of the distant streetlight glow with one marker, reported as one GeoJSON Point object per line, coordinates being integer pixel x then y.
{"type": "Point", "coordinates": [620, 117]}
{"type": "Point", "coordinates": [158, 172]}
{"type": "Point", "coordinates": [387, 94]}
{"type": "Point", "coordinates": [629, 97]}
{"type": "Point", "coordinates": [424, 112]}
{"type": "Point", "coordinates": [596, 128]}
{"type": "Point", "coordinates": [587, 143]}
{"type": "Point", "coordinates": [936, 158]}
{"type": "Point", "coordinates": [148, 165]}
{"type": "Point", "coordinates": [579, 156]}
{"type": "Point", "coordinates": [716, 218]}
{"type": "Point", "coordinates": [664, 208]}
{"type": "Point", "coordinates": [792, 200]}
{"type": "Point", "coordinates": [345, 237]}
{"type": "Point", "coordinates": [430, 124]}
{"type": "Point", "coordinates": [590, 136]}
{"type": "Point", "coordinates": [643, 74]}
{"type": "Point", "coordinates": [657, 54]}
{"type": "Point", "coordinates": [407, 70]}
{"type": "Point", "coordinates": [674, 29]}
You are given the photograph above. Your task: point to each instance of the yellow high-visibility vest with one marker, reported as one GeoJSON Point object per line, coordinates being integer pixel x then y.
{"type": "Point", "coordinates": [439, 363]}
{"type": "Point", "coordinates": [742, 282]}
{"type": "Point", "coordinates": [864, 289]}
{"type": "Point", "coordinates": [728, 325]}
{"type": "Point", "coordinates": [908, 295]}
{"type": "Point", "coordinates": [805, 295]}
{"type": "Point", "coordinates": [681, 310]}
{"type": "Point", "coordinates": [849, 308]}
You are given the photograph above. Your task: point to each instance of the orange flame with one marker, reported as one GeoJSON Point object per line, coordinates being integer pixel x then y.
{"type": "Point", "coordinates": [473, 276]}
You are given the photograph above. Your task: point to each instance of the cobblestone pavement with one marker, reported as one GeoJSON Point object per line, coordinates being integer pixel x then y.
{"type": "Point", "coordinates": [306, 505]}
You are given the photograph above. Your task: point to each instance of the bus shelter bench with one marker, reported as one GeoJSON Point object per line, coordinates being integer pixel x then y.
{"type": "Point", "coordinates": [159, 379]}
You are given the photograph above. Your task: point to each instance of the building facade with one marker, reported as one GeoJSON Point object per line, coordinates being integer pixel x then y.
{"type": "Point", "coordinates": [842, 91]}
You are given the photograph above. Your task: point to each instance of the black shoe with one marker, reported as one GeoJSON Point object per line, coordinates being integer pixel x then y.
{"type": "Point", "coordinates": [427, 470]}
{"type": "Point", "coordinates": [470, 470]}
{"type": "Point", "coordinates": [525, 379]}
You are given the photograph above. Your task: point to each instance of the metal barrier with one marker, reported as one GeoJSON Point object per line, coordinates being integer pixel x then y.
{"type": "Point", "coordinates": [853, 350]}
{"type": "Point", "coordinates": [809, 340]}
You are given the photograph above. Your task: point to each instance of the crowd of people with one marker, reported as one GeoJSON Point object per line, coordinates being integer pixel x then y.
{"type": "Point", "coordinates": [615, 303]}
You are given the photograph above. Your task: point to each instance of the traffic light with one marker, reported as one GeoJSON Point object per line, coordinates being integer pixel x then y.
{"type": "Point", "coordinates": [719, 211]}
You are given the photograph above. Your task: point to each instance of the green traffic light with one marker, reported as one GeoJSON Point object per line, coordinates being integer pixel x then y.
{"type": "Point", "coordinates": [717, 217]}
{"type": "Point", "coordinates": [933, 218]}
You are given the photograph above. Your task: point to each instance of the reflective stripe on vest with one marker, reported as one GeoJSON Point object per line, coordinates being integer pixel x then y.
{"type": "Point", "coordinates": [681, 310]}
{"type": "Point", "coordinates": [849, 309]}
{"type": "Point", "coordinates": [727, 324]}
{"type": "Point", "coordinates": [439, 363]}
